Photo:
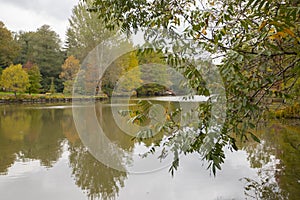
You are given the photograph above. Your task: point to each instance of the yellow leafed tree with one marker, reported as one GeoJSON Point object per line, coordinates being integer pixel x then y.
{"type": "Point", "coordinates": [14, 79]}
{"type": "Point", "coordinates": [69, 71]}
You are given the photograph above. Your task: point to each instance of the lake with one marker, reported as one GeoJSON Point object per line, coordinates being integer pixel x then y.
{"type": "Point", "coordinates": [42, 156]}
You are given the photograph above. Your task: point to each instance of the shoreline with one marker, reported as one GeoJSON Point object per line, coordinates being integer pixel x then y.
{"type": "Point", "coordinates": [290, 111]}
{"type": "Point", "coordinates": [49, 99]}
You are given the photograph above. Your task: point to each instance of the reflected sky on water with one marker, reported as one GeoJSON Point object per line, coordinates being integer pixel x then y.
{"type": "Point", "coordinates": [42, 157]}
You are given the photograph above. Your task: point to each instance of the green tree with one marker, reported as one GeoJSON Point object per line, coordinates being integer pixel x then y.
{"type": "Point", "coordinates": [43, 48]}
{"type": "Point", "coordinates": [154, 69]}
{"type": "Point", "coordinates": [257, 40]}
{"type": "Point", "coordinates": [26, 42]}
{"type": "Point", "coordinates": [151, 57]}
{"type": "Point", "coordinates": [127, 67]}
{"type": "Point", "coordinates": [15, 79]}
{"type": "Point", "coordinates": [52, 89]}
{"type": "Point", "coordinates": [69, 71]}
{"type": "Point", "coordinates": [8, 47]}
{"type": "Point", "coordinates": [86, 30]}
{"type": "Point", "coordinates": [35, 77]}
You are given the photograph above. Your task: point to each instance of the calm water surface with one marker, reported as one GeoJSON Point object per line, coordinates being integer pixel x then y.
{"type": "Point", "coordinates": [42, 157]}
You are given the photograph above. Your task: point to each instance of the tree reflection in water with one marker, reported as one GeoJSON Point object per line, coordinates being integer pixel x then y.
{"type": "Point", "coordinates": [277, 162]}
{"type": "Point", "coordinates": [45, 140]}
{"type": "Point", "coordinates": [27, 133]}
{"type": "Point", "coordinates": [96, 179]}
{"type": "Point", "coordinates": [39, 134]}
{"type": "Point", "coordinates": [93, 177]}
{"type": "Point", "coordinates": [10, 141]}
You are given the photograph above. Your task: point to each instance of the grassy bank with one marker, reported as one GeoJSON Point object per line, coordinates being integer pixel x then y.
{"type": "Point", "coordinates": [7, 97]}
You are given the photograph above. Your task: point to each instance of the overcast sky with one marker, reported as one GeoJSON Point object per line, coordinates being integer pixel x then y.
{"type": "Point", "coordinates": [28, 15]}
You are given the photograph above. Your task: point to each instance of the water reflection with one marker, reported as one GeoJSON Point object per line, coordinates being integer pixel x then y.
{"type": "Point", "coordinates": [28, 134]}
{"type": "Point", "coordinates": [93, 177]}
{"type": "Point", "coordinates": [277, 160]}
{"type": "Point", "coordinates": [31, 134]}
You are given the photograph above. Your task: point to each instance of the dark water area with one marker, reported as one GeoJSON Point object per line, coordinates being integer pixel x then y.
{"type": "Point", "coordinates": [42, 156]}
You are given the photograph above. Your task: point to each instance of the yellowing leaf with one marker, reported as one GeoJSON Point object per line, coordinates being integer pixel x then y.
{"type": "Point", "coordinates": [168, 117]}
{"type": "Point", "coordinates": [263, 24]}
{"type": "Point", "coordinates": [274, 37]}
{"type": "Point", "coordinates": [289, 31]}
{"type": "Point", "coordinates": [204, 31]}
{"type": "Point", "coordinates": [272, 30]}
{"type": "Point", "coordinates": [277, 36]}
{"type": "Point", "coordinates": [269, 69]}
{"type": "Point", "coordinates": [282, 34]}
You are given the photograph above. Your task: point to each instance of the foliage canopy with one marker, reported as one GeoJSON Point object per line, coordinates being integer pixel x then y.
{"type": "Point", "coordinates": [15, 79]}
{"type": "Point", "coordinates": [35, 77]}
{"type": "Point", "coordinates": [257, 41]}
{"type": "Point", "coordinates": [85, 31]}
{"type": "Point", "coordinates": [8, 47]}
{"type": "Point", "coordinates": [42, 47]}
{"type": "Point", "coordinates": [69, 71]}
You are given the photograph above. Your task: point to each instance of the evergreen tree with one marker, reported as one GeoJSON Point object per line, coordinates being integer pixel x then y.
{"type": "Point", "coordinates": [43, 48]}
{"type": "Point", "coordinates": [52, 89]}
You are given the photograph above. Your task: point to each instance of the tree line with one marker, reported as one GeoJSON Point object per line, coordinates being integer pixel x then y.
{"type": "Point", "coordinates": [38, 61]}
{"type": "Point", "coordinates": [31, 61]}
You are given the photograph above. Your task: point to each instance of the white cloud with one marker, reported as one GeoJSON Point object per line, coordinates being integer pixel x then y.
{"type": "Point", "coordinates": [28, 15]}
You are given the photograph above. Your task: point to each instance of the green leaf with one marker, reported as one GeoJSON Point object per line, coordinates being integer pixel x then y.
{"type": "Point", "coordinates": [256, 139]}
{"type": "Point", "coordinates": [251, 125]}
